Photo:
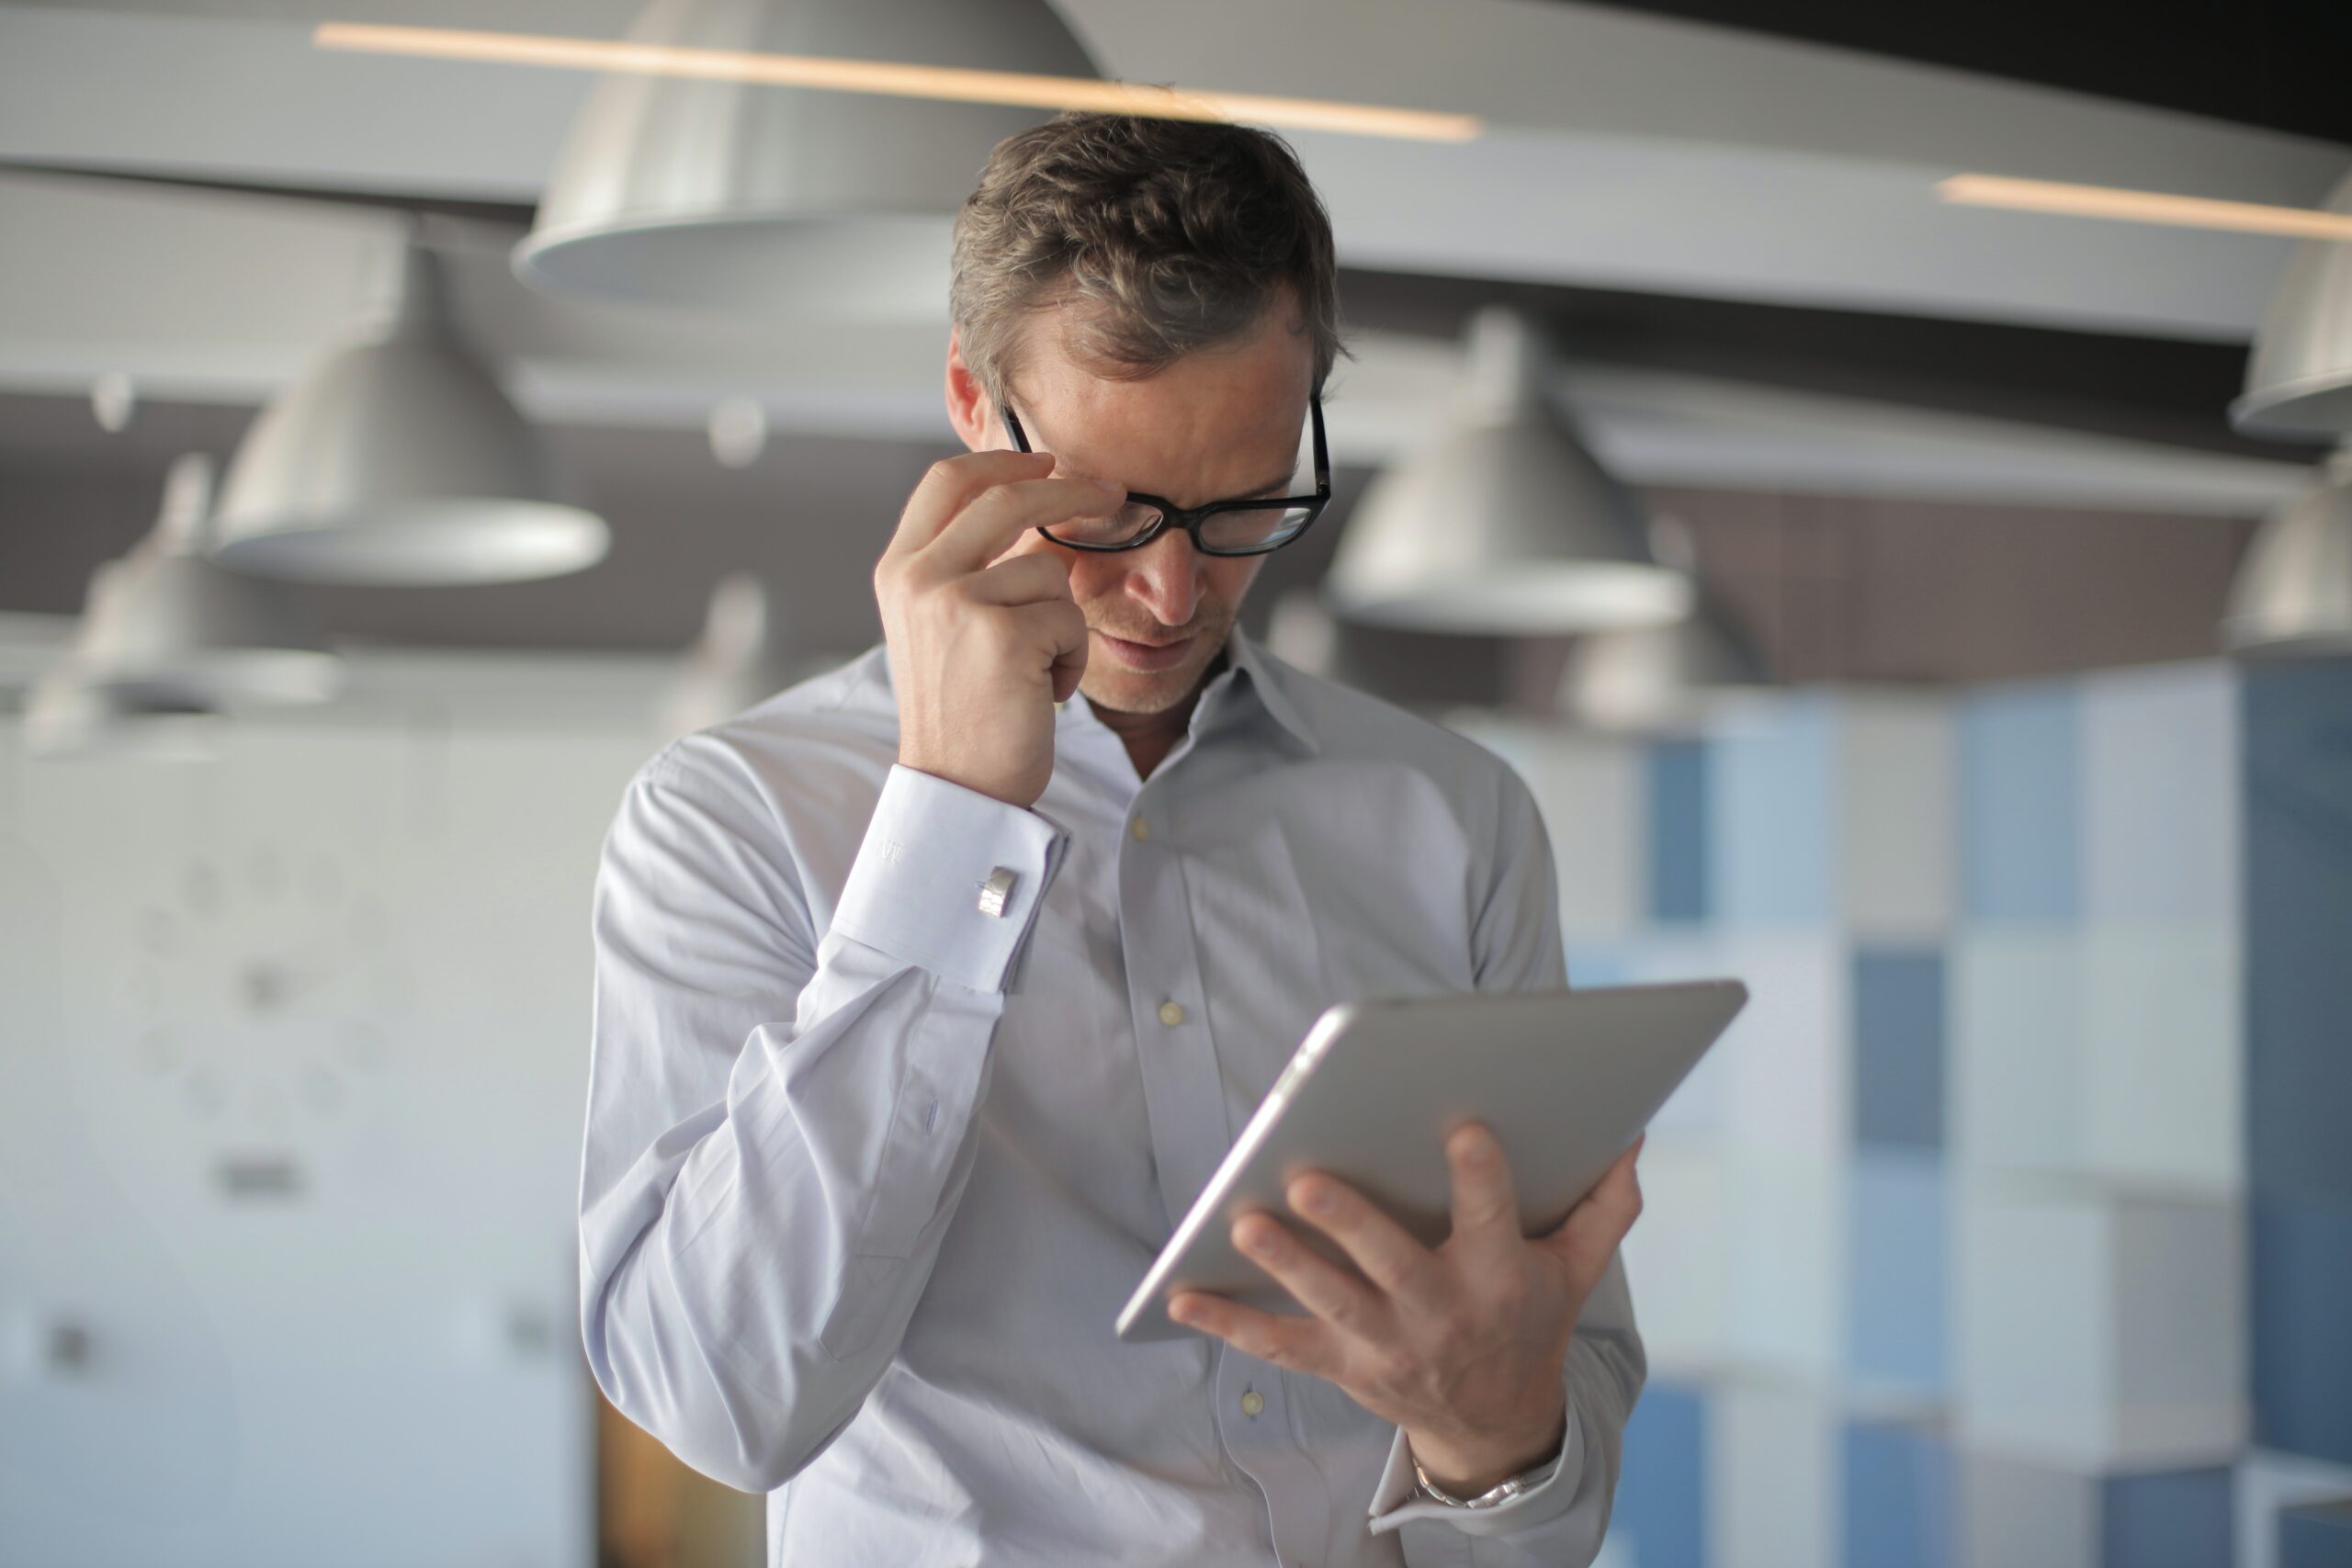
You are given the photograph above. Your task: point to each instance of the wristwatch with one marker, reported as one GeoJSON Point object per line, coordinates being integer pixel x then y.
{"type": "Point", "coordinates": [1502, 1491]}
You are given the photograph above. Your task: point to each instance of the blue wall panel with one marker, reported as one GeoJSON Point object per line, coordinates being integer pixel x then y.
{"type": "Point", "coordinates": [2178, 1518]}
{"type": "Point", "coordinates": [1661, 1507]}
{"type": "Point", "coordinates": [2316, 1535]}
{"type": "Point", "coordinates": [1899, 1048]}
{"type": "Point", "coordinates": [1897, 1274]}
{"type": "Point", "coordinates": [2021, 804]}
{"type": "Point", "coordinates": [2298, 727]}
{"type": "Point", "coordinates": [2302, 1326]}
{"type": "Point", "coordinates": [1771, 803]}
{"type": "Point", "coordinates": [1898, 1500]}
{"type": "Point", "coordinates": [1678, 829]}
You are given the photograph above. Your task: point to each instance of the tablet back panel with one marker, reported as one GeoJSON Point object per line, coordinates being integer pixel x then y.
{"type": "Point", "coordinates": [1567, 1079]}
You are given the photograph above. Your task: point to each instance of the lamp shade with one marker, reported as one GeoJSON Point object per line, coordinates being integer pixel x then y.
{"type": "Point", "coordinates": [399, 462]}
{"type": "Point", "coordinates": [744, 196]}
{"type": "Point", "coordinates": [1505, 525]}
{"type": "Point", "coordinates": [68, 713]}
{"type": "Point", "coordinates": [2298, 378]}
{"type": "Point", "coordinates": [738, 662]}
{"type": "Point", "coordinates": [2293, 594]}
{"type": "Point", "coordinates": [165, 614]}
{"type": "Point", "coordinates": [1658, 680]}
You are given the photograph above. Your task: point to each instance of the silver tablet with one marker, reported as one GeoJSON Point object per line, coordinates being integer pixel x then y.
{"type": "Point", "coordinates": [1567, 1079]}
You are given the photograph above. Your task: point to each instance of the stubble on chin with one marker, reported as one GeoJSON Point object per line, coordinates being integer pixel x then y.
{"type": "Point", "coordinates": [1108, 684]}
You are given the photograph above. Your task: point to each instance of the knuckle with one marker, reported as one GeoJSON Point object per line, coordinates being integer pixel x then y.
{"type": "Point", "coordinates": [1388, 1372]}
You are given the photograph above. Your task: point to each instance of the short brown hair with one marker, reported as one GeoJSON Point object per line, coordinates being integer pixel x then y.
{"type": "Point", "coordinates": [1177, 233]}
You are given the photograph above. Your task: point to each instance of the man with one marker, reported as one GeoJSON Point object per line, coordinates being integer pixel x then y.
{"type": "Point", "coordinates": [929, 993]}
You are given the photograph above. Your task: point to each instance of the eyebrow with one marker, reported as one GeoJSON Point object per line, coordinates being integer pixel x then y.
{"type": "Point", "coordinates": [1263, 492]}
{"type": "Point", "coordinates": [1274, 491]}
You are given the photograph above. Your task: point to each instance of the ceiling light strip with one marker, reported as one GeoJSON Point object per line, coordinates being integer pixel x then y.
{"type": "Point", "coordinates": [952, 83]}
{"type": "Point", "coordinates": [2144, 206]}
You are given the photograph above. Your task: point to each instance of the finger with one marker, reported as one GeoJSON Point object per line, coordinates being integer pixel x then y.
{"type": "Point", "coordinates": [1028, 578]}
{"type": "Point", "coordinates": [1486, 1204]}
{"type": "Point", "coordinates": [1592, 1233]}
{"type": "Point", "coordinates": [996, 518]}
{"type": "Point", "coordinates": [949, 485]}
{"type": "Point", "coordinates": [1055, 629]}
{"type": "Point", "coordinates": [1386, 1252]}
{"type": "Point", "coordinates": [1313, 1282]}
{"type": "Point", "coordinates": [1295, 1344]}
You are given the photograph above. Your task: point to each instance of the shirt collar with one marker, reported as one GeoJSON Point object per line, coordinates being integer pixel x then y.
{"type": "Point", "coordinates": [1249, 665]}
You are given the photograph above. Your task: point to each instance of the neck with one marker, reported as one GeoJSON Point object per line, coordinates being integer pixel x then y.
{"type": "Point", "coordinates": [1150, 737]}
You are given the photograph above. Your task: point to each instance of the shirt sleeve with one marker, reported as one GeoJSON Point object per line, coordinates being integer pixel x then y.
{"type": "Point", "coordinates": [780, 1119]}
{"type": "Point", "coordinates": [1560, 1521]}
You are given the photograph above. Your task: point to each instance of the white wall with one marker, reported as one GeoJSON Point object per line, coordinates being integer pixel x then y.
{"type": "Point", "coordinates": [383, 1366]}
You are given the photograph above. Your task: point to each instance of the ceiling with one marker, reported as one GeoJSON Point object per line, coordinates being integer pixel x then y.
{"type": "Point", "coordinates": [2269, 62]}
{"type": "Point", "coordinates": [1734, 235]}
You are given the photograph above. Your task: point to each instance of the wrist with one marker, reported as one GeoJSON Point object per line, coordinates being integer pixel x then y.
{"type": "Point", "coordinates": [1466, 1470]}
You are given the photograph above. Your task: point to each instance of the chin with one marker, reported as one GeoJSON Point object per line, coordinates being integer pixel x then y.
{"type": "Point", "coordinates": [1132, 690]}
{"type": "Point", "coordinates": [1109, 685]}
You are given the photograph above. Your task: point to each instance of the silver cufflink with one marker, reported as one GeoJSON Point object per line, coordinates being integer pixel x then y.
{"type": "Point", "coordinates": [997, 889]}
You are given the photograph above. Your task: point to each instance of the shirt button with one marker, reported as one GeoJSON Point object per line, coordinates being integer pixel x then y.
{"type": "Point", "coordinates": [1139, 830]}
{"type": "Point", "coordinates": [1171, 1014]}
{"type": "Point", "coordinates": [1252, 1403]}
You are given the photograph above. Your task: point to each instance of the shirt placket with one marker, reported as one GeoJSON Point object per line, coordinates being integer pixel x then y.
{"type": "Point", "coordinates": [1185, 1103]}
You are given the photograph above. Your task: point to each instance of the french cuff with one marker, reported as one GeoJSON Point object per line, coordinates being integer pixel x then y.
{"type": "Point", "coordinates": [1547, 1497]}
{"type": "Point", "coordinates": [948, 878]}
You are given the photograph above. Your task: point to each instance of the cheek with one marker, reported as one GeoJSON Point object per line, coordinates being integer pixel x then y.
{"type": "Point", "coordinates": [1093, 577]}
{"type": "Point", "coordinates": [1228, 577]}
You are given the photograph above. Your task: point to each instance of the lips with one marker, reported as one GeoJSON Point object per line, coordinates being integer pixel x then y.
{"type": "Point", "coordinates": [1146, 656]}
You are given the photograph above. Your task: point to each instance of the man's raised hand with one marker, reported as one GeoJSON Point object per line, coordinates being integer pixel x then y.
{"type": "Point", "coordinates": [982, 647]}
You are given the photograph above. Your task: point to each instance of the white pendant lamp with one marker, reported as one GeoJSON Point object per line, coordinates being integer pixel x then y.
{"type": "Point", "coordinates": [2298, 378]}
{"type": "Point", "coordinates": [736, 195]}
{"type": "Point", "coordinates": [739, 662]}
{"type": "Point", "coordinates": [1505, 525]}
{"type": "Point", "coordinates": [1301, 631]}
{"type": "Point", "coordinates": [67, 714]}
{"type": "Point", "coordinates": [2293, 594]}
{"type": "Point", "coordinates": [165, 614]}
{"type": "Point", "coordinates": [1658, 680]}
{"type": "Point", "coordinates": [399, 462]}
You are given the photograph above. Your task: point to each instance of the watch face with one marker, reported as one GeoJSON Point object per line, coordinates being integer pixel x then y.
{"type": "Point", "coordinates": [261, 984]}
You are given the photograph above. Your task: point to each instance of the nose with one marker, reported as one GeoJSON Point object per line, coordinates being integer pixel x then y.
{"type": "Point", "coordinates": [1165, 578]}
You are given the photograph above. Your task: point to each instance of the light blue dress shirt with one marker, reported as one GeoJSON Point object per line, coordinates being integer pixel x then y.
{"type": "Point", "coordinates": [869, 1170]}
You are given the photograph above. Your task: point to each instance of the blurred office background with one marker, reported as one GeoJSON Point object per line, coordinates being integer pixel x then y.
{"type": "Point", "coordinates": [1936, 609]}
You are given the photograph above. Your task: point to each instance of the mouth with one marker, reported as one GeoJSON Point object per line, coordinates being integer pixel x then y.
{"type": "Point", "coordinates": [1146, 656]}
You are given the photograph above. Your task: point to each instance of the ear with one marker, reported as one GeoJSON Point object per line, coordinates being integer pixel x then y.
{"type": "Point", "coordinates": [969, 408]}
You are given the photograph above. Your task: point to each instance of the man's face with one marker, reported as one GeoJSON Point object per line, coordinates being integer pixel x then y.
{"type": "Point", "coordinates": [1217, 425]}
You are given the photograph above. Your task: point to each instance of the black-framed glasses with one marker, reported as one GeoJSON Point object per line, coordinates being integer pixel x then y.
{"type": "Point", "coordinates": [1218, 528]}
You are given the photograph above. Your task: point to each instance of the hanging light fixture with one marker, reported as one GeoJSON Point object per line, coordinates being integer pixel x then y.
{"type": "Point", "coordinates": [2298, 378]}
{"type": "Point", "coordinates": [1300, 631]}
{"type": "Point", "coordinates": [165, 616]}
{"type": "Point", "coordinates": [67, 713]}
{"type": "Point", "coordinates": [720, 194]}
{"type": "Point", "coordinates": [1659, 680]}
{"type": "Point", "coordinates": [2293, 594]}
{"type": "Point", "coordinates": [1505, 525]}
{"type": "Point", "coordinates": [399, 462]}
{"type": "Point", "coordinates": [739, 662]}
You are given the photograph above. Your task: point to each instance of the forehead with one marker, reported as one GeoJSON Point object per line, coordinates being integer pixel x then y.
{"type": "Point", "coordinates": [1225, 420]}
